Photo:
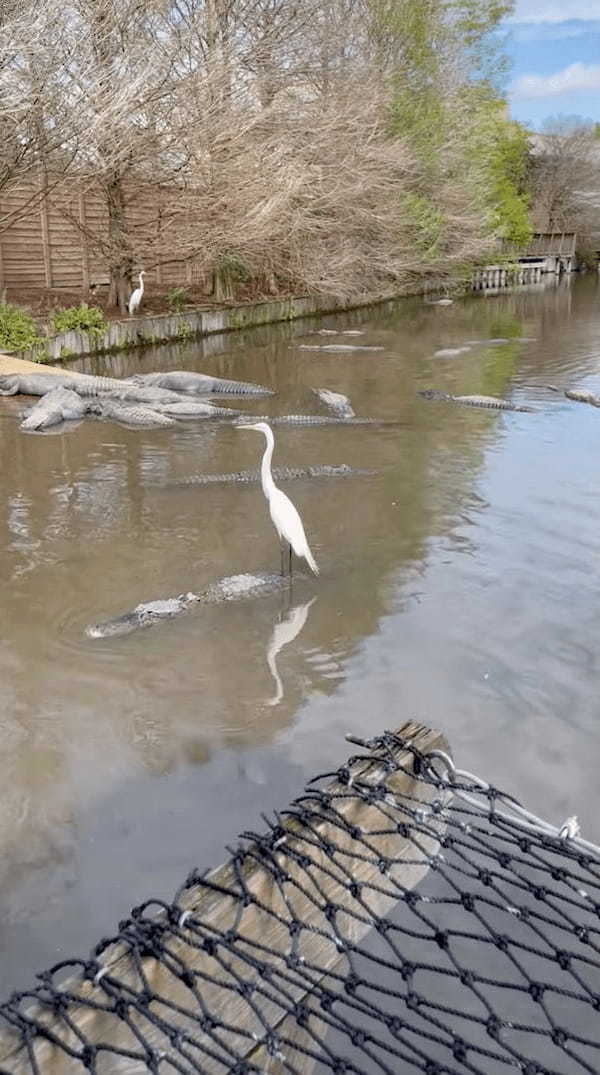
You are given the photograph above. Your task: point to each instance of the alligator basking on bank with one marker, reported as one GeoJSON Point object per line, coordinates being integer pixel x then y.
{"type": "Point", "coordinates": [149, 613]}
{"type": "Point", "coordinates": [39, 384]}
{"type": "Point", "coordinates": [146, 388]}
{"type": "Point", "coordinates": [282, 474]}
{"type": "Point", "coordinates": [130, 414]}
{"type": "Point", "coordinates": [490, 402]}
{"type": "Point", "coordinates": [62, 404]}
{"type": "Point", "coordinates": [58, 405]}
{"type": "Point", "coordinates": [200, 384]}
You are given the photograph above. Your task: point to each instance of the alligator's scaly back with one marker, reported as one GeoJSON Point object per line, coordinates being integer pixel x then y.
{"type": "Point", "coordinates": [201, 384]}
{"type": "Point", "coordinates": [488, 402]}
{"type": "Point", "coordinates": [581, 396]}
{"type": "Point", "coordinates": [316, 470]}
{"type": "Point", "coordinates": [193, 408]}
{"type": "Point", "coordinates": [132, 414]}
{"type": "Point", "coordinates": [339, 347]}
{"type": "Point", "coordinates": [313, 420]}
{"type": "Point", "coordinates": [149, 613]}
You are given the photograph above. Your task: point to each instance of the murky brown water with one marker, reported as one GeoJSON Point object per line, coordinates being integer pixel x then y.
{"type": "Point", "coordinates": [459, 586]}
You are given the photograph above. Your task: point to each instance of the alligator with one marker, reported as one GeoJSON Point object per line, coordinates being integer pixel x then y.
{"type": "Point", "coordinates": [137, 414]}
{"type": "Point", "coordinates": [578, 394]}
{"type": "Point", "coordinates": [201, 384]}
{"type": "Point", "coordinates": [582, 397]}
{"type": "Point", "coordinates": [34, 384]}
{"type": "Point", "coordinates": [316, 470]}
{"type": "Point", "coordinates": [313, 420]}
{"type": "Point", "coordinates": [149, 613]}
{"type": "Point", "coordinates": [131, 393]}
{"type": "Point", "coordinates": [58, 405]}
{"type": "Point", "coordinates": [62, 403]}
{"type": "Point", "coordinates": [338, 347]}
{"type": "Point", "coordinates": [503, 339]}
{"type": "Point", "coordinates": [37, 384]}
{"type": "Point", "coordinates": [338, 403]}
{"type": "Point", "coordinates": [340, 332]}
{"type": "Point", "coordinates": [450, 352]}
{"type": "Point", "coordinates": [136, 389]}
{"type": "Point", "coordinates": [194, 408]}
{"type": "Point", "coordinates": [490, 402]}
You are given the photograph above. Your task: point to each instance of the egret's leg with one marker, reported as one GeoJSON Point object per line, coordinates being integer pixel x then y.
{"type": "Point", "coordinates": [290, 561]}
{"type": "Point", "coordinates": [282, 552]}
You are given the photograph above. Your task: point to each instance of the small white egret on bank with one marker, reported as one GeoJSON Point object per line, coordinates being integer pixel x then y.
{"type": "Point", "coordinates": [136, 296]}
{"type": "Point", "coordinates": [286, 519]}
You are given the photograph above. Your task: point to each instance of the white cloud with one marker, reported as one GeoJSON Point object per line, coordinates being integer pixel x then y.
{"type": "Point", "coordinates": [541, 32]}
{"type": "Point", "coordinates": [555, 10]}
{"type": "Point", "coordinates": [575, 78]}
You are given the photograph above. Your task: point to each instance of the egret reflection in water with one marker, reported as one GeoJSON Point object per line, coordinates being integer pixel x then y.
{"type": "Point", "coordinates": [285, 632]}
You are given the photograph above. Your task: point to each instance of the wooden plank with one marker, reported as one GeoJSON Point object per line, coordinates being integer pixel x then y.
{"type": "Point", "coordinates": [45, 235]}
{"type": "Point", "coordinates": [302, 896]}
{"type": "Point", "coordinates": [2, 276]}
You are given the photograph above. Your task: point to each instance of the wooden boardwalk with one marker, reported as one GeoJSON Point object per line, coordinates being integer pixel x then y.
{"type": "Point", "coordinates": [547, 253]}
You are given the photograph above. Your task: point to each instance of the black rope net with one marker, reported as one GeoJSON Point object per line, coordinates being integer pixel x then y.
{"type": "Point", "coordinates": [380, 924]}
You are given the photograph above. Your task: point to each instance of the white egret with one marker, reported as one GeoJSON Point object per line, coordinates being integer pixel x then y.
{"type": "Point", "coordinates": [286, 519]}
{"type": "Point", "coordinates": [136, 296]}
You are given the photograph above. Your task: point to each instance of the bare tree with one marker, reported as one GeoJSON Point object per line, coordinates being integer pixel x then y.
{"type": "Point", "coordinates": [272, 143]}
{"type": "Point", "coordinates": [565, 179]}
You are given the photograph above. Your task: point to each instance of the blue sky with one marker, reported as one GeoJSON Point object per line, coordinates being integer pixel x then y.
{"type": "Point", "coordinates": [554, 46]}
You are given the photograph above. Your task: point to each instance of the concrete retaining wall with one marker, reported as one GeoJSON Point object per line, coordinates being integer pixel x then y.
{"type": "Point", "coordinates": [141, 331]}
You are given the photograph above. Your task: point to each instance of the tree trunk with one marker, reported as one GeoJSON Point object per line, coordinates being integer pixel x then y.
{"type": "Point", "coordinates": [121, 260]}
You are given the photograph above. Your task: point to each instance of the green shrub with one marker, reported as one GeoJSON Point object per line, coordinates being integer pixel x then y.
{"type": "Point", "coordinates": [82, 318]}
{"type": "Point", "coordinates": [426, 222]}
{"type": "Point", "coordinates": [233, 267]}
{"type": "Point", "coordinates": [18, 331]}
{"type": "Point", "coordinates": [177, 297]}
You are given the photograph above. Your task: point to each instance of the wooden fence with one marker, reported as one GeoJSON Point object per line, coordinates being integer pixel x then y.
{"type": "Point", "coordinates": [53, 237]}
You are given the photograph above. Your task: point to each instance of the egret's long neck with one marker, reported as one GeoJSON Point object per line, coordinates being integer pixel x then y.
{"type": "Point", "coordinates": [265, 468]}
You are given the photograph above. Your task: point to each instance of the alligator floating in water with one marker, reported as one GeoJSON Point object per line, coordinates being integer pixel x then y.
{"type": "Point", "coordinates": [490, 402]}
{"type": "Point", "coordinates": [340, 332]}
{"type": "Point", "coordinates": [580, 395]}
{"type": "Point", "coordinates": [450, 352]}
{"type": "Point", "coordinates": [336, 401]}
{"type": "Point", "coordinates": [313, 420]}
{"type": "Point", "coordinates": [339, 347]}
{"type": "Point", "coordinates": [58, 405]}
{"type": "Point", "coordinates": [201, 384]}
{"type": "Point", "coordinates": [149, 613]}
{"type": "Point", "coordinates": [316, 470]}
